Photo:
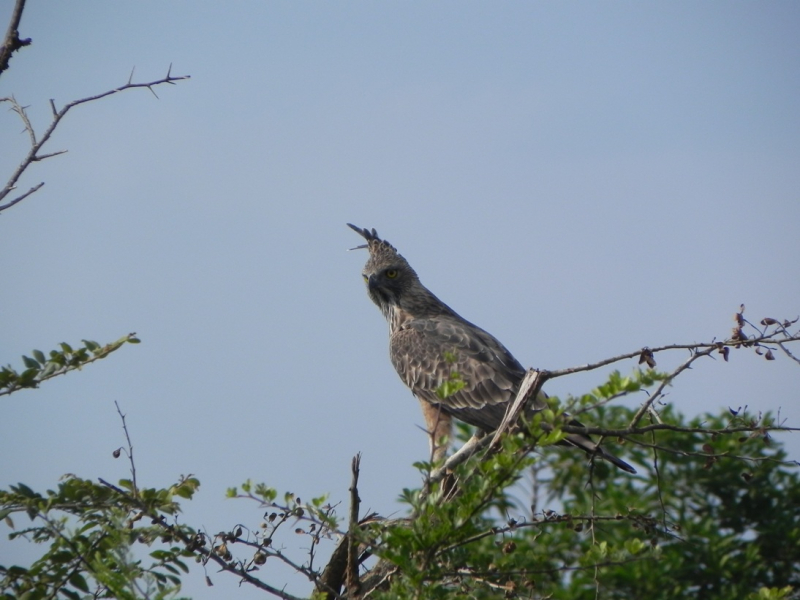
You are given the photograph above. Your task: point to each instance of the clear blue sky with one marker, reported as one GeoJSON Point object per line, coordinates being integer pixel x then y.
{"type": "Point", "coordinates": [580, 179]}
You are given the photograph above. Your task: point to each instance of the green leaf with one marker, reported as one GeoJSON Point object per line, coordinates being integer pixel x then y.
{"type": "Point", "coordinates": [182, 565]}
{"type": "Point", "coordinates": [184, 491]}
{"type": "Point", "coordinates": [39, 356]}
{"type": "Point", "coordinates": [30, 363]}
{"type": "Point", "coordinates": [552, 437]}
{"type": "Point", "coordinates": [24, 490]}
{"type": "Point", "coordinates": [64, 556]}
{"type": "Point", "coordinates": [28, 377]}
{"type": "Point", "coordinates": [77, 580]}
{"type": "Point", "coordinates": [634, 545]}
{"type": "Point", "coordinates": [49, 369]}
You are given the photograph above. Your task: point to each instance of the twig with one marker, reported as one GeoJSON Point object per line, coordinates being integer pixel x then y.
{"type": "Point", "coordinates": [731, 343]}
{"type": "Point", "coordinates": [640, 521]}
{"type": "Point", "coordinates": [207, 554]}
{"type": "Point", "coordinates": [22, 197]}
{"type": "Point", "coordinates": [786, 351]}
{"type": "Point", "coordinates": [656, 426]}
{"type": "Point", "coordinates": [470, 447]}
{"type": "Point", "coordinates": [129, 452]}
{"type": "Point", "coordinates": [33, 153]}
{"type": "Point", "coordinates": [75, 551]}
{"type": "Point", "coordinates": [715, 455]}
{"type": "Point", "coordinates": [353, 584]}
{"type": "Point", "coordinates": [528, 572]}
{"type": "Point", "coordinates": [658, 482]}
{"type": "Point", "coordinates": [645, 407]}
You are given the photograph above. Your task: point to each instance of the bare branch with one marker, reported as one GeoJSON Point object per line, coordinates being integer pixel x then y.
{"type": "Point", "coordinates": [22, 197]}
{"type": "Point", "coordinates": [789, 354]}
{"type": "Point", "coordinates": [731, 343]}
{"type": "Point", "coordinates": [129, 450]}
{"type": "Point", "coordinates": [667, 427]}
{"type": "Point", "coordinates": [50, 155]}
{"type": "Point", "coordinates": [20, 110]}
{"type": "Point", "coordinates": [551, 518]}
{"type": "Point", "coordinates": [529, 388]}
{"type": "Point", "coordinates": [470, 447]}
{"type": "Point", "coordinates": [34, 155]}
{"type": "Point", "coordinates": [707, 455]}
{"type": "Point", "coordinates": [646, 406]}
{"type": "Point", "coordinates": [12, 41]}
{"type": "Point", "coordinates": [353, 584]}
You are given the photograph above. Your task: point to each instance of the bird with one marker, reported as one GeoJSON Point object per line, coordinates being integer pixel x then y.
{"type": "Point", "coordinates": [429, 342]}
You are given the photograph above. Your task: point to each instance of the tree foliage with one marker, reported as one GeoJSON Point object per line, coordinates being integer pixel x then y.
{"type": "Point", "coordinates": [40, 368]}
{"type": "Point", "coordinates": [712, 513]}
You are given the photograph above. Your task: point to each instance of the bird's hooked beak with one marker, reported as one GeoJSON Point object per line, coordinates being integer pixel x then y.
{"type": "Point", "coordinates": [377, 293]}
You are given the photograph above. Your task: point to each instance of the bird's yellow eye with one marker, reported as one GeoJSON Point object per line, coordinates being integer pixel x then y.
{"type": "Point", "coordinates": [391, 273]}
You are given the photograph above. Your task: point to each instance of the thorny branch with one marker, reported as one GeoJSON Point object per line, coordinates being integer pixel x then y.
{"type": "Point", "coordinates": [765, 338]}
{"type": "Point", "coordinates": [760, 340]}
{"type": "Point", "coordinates": [12, 42]}
{"type": "Point", "coordinates": [34, 153]}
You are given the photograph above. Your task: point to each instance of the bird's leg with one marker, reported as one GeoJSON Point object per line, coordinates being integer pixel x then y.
{"type": "Point", "coordinates": [439, 426]}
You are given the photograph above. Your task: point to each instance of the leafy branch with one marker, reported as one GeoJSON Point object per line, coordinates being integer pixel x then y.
{"type": "Point", "coordinates": [39, 368]}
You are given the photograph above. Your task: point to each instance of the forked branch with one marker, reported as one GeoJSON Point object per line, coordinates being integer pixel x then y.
{"type": "Point", "coordinates": [35, 154]}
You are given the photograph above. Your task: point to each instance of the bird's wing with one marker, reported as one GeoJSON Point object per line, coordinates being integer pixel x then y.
{"type": "Point", "coordinates": [428, 352]}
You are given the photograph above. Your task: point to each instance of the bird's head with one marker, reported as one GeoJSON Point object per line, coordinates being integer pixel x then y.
{"type": "Point", "coordinates": [387, 274]}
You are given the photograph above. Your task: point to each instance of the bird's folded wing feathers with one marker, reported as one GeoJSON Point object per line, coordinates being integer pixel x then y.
{"type": "Point", "coordinates": [488, 371]}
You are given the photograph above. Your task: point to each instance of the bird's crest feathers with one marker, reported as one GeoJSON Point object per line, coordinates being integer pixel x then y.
{"type": "Point", "coordinates": [381, 252]}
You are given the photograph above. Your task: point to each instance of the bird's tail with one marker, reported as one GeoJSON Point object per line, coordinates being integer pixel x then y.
{"type": "Point", "coordinates": [589, 446]}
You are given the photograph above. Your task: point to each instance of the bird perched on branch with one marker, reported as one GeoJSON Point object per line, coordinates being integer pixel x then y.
{"type": "Point", "coordinates": [429, 341]}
